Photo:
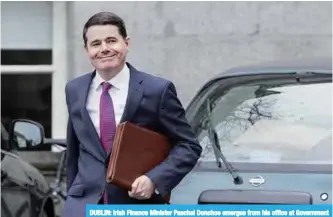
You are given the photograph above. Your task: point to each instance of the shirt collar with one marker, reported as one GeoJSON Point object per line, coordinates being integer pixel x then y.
{"type": "Point", "coordinates": [121, 80]}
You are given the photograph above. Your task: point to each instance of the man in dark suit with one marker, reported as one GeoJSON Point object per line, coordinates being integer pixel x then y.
{"type": "Point", "coordinates": [113, 93]}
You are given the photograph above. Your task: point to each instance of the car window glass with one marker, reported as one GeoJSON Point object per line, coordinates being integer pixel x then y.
{"type": "Point", "coordinates": [270, 123]}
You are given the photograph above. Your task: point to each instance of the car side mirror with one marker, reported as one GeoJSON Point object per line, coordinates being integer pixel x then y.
{"type": "Point", "coordinates": [27, 134]}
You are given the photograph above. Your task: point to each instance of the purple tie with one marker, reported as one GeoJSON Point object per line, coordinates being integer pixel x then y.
{"type": "Point", "coordinates": [107, 122]}
{"type": "Point", "coordinates": [107, 118]}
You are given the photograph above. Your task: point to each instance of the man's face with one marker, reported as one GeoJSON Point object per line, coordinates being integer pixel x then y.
{"type": "Point", "coordinates": [105, 47]}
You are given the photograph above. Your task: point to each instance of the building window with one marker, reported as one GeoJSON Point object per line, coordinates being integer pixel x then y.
{"type": "Point", "coordinates": [34, 51]}
{"type": "Point", "coordinates": [27, 96]}
{"type": "Point", "coordinates": [26, 57]}
{"type": "Point", "coordinates": [27, 62]}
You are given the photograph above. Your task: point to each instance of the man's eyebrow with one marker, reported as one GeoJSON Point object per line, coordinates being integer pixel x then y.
{"type": "Point", "coordinates": [107, 38]}
{"type": "Point", "coordinates": [111, 37]}
{"type": "Point", "coordinates": [94, 41]}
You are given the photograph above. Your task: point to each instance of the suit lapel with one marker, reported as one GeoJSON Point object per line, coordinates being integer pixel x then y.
{"type": "Point", "coordinates": [134, 96]}
{"type": "Point", "coordinates": [86, 118]}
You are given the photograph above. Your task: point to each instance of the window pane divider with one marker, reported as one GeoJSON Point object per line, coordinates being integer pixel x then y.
{"type": "Point", "coordinates": [27, 69]}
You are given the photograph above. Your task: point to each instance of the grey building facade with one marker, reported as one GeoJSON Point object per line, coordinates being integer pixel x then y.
{"type": "Point", "coordinates": [185, 42]}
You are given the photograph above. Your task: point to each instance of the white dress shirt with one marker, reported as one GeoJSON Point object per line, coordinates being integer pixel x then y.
{"type": "Point", "coordinates": [118, 93]}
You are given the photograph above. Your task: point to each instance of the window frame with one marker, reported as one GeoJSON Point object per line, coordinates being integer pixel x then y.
{"type": "Point", "coordinates": [58, 69]}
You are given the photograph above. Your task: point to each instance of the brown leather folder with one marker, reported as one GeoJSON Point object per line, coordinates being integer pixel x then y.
{"type": "Point", "coordinates": [135, 151]}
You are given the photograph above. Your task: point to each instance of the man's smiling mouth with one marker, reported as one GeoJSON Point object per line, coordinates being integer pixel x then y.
{"type": "Point", "coordinates": [108, 57]}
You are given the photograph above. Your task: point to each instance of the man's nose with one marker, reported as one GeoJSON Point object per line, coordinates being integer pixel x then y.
{"type": "Point", "coordinates": [104, 47]}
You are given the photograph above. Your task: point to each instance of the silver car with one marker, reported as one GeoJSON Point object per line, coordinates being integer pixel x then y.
{"type": "Point", "coordinates": [266, 134]}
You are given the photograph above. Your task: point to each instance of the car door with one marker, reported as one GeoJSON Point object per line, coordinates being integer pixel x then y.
{"type": "Point", "coordinates": [15, 182]}
{"type": "Point", "coordinates": [276, 135]}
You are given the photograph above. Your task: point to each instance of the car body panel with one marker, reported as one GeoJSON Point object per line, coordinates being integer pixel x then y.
{"type": "Point", "coordinates": [202, 179]}
{"type": "Point", "coordinates": [271, 175]}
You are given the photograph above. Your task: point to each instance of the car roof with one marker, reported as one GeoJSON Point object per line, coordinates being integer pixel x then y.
{"type": "Point", "coordinates": [319, 65]}
{"type": "Point", "coordinates": [281, 66]}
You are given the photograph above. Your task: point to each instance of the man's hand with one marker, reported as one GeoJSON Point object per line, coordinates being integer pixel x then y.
{"type": "Point", "coordinates": [142, 188]}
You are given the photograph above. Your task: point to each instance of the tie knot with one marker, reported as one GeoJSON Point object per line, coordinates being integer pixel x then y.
{"type": "Point", "coordinates": [106, 86]}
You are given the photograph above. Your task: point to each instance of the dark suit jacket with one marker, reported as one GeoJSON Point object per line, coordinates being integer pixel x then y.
{"type": "Point", "coordinates": [152, 102]}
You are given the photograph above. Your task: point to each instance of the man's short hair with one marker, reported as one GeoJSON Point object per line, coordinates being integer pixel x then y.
{"type": "Point", "coordinates": [105, 18]}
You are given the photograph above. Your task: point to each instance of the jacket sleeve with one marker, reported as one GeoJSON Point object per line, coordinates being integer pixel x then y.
{"type": "Point", "coordinates": [72, 147]}
{"type": "Point", "coordinates": [186, 149]}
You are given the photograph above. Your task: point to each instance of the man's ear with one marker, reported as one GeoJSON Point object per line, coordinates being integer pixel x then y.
{"type": "Point", "coordinates": [85, 48]}
{"type": "Point", "coordinates": [127, 41]}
